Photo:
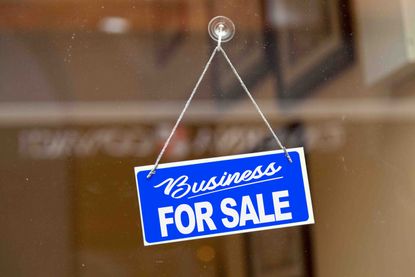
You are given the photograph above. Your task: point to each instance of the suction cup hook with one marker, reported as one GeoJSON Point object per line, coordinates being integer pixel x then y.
{"type": "Point", "coordinates": [221, 26]}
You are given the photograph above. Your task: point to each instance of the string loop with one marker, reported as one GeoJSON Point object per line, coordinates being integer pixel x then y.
{"type": "Point", "coordinates": [218, 48]}
{"type": "Point", "coordinates": [220, 34]}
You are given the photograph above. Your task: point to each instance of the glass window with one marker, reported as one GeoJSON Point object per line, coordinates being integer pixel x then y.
{"type": "Point", "coordinates": [90, 89]}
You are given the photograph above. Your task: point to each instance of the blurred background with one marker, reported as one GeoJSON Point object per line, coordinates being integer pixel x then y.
{"type": "Point", "coordinates": [90, 89]}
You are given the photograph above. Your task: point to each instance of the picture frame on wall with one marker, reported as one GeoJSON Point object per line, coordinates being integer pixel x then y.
{"type": "Point", "coordinates": [307, 43]}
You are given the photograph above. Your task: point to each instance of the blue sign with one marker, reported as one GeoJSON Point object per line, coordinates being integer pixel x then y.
{"type": "Point", "coordinates": [225, 195]}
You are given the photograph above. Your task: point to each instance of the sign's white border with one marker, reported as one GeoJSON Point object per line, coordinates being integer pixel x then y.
{"type": "Point", "coordinates": [299, 150]}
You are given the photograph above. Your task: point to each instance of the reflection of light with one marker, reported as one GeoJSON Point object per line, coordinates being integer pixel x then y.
{"type": "Point", "coordinates": [294, 13]}
{"type": "Point", "coordinates": [114, 25]}
{"type": "Point", "coordinates": [205, 253]}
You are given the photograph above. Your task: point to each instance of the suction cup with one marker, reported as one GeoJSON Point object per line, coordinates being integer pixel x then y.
{"type": "Point", "coordinates": [221, 26]}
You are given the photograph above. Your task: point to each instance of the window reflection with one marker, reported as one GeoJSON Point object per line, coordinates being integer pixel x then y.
{"type": "Point", "coordinates": [89, 89]}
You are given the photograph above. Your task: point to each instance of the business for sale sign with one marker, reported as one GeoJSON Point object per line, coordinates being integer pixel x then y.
{"type": "Point", "coordinates": [222, 196]}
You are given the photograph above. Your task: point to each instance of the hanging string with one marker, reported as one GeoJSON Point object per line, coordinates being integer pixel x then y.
{"type": "Point", "coordinates": [218, 48]}
{"type": "Point", "coordinates": [182, 114]}
{"type": "Point", "coordinates": [255, 104]}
